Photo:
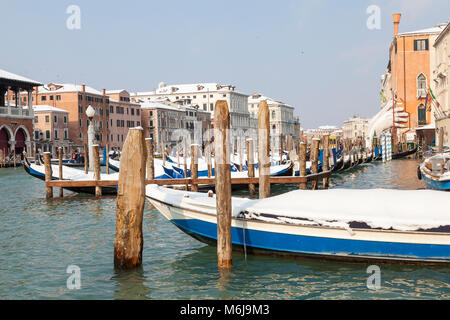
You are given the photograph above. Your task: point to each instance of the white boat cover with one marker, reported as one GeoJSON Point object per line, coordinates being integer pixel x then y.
{"type": "Point", "coordinates": [403, 210]}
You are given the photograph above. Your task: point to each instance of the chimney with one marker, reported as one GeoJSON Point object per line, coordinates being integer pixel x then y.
{"type": "Point", "coordinates": [104, 92]}
{"type": "Point", "coordinates": [396, 18]}
{"type": "Point", "coordinates": [83, 87]}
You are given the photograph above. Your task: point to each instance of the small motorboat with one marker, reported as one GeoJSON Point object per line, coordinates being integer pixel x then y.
{"type": "Point", "coordinates": [308, 223]}
{"type": "Point", "coordinates": [435, 171]}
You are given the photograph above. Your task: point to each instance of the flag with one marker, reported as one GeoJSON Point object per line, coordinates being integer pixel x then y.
{"type": "Point", "coordinates": [426, 102]}
{"type": "Point", "coordinates": [382, 96]}
{"type": "Point", "coordinates": [434, 98]}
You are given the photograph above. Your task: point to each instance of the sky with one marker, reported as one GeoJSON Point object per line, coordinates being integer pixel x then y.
{"type": "Point", "coordinates": [318, 56]}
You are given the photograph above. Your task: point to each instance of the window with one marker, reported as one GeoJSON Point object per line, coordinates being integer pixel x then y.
{"type": "Point", "coordinates": [80, 123]}
{"type": "Point", "coordinates": [80, 109]}
{"type": "Point", "coordinates": [66, 134]}
{"type": "Point", "coordinates": [65, 119]}
{"type": "Point", "coordinates": [132, 111]}
{"type": "Point", "coordinates": [421, 115]}
{"type": "Point", "coordinates": [111, 109]}
{"type": "Point", "coordinates": [55, 119]}
{"type": "Point", "coordinates": [47, 119]}
{"type": "Point", "coordinates": [204, 106]}
{"type": "Point", "coordinates": [111, 123]}
{"type": "Point", "coordinates": [273, 114]}
{"type": "Point", "coordinates": [151, 123]}
{"type": "Point", "coordinates": [211, 107]}
{"type": "Point", "coordinates": [44, 98]}
{"type": "Point", "coordinates": [36, 119]}
{"type": "Point", "coordinates": [421, 45]}
{"type": "Point", "coordinates": [112, 138]}
{"type": "Point", "coordinates": [47, 134]}
{"type": "Point", "coordinates": [51, 98]}
{"type": "Point", "coordinates": [421, 85]}
{"type": "Point", "coordinates": [58, 98]}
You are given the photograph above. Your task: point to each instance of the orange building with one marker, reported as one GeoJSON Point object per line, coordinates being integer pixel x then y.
{"type": "Point", "coordinates": [75, 99]}
{"type": "Point", "coordinates": [408, 74]}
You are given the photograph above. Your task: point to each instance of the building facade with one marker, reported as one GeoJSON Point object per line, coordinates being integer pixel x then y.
{"type": "Point", "coordinates": [16, 121]}
{"type": "Point", "coordinates": [441, 86]}
{"type": "Point", "coordinates": [75, 99]}
{"type": "Point", "coordinates": [355, 128]}
{"type": "Point", "coordinates": [408, 74]}
{"type": "Point", "coordinates": [123, 114]}
{"type": "Point", "coordinates": [51, 129]}
{"type": "Point", "coordinates": [281, 117]}
{"type": "Point", "coordinates": [203, 96]}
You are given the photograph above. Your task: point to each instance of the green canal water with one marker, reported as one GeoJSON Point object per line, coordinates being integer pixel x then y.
{"type": "Point", "coordinates": [39, 239]}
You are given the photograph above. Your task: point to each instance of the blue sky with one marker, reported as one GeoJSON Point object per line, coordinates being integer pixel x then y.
{"type": "Point", "coordinates": [318, 56]}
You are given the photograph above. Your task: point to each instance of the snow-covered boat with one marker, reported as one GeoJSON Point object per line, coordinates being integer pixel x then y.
{"type": "Point", "coordinates": [435, 171]}
{"type": "Point", "coordinates": [73, 174]}
{"type": "Point", "coordinates": [311, 224]}
{"type": "Point", "coordinates": [160, 171]}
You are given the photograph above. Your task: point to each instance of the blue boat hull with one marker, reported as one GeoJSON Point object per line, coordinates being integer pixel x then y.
{"type": "Point", "coordinates": [436, 185]}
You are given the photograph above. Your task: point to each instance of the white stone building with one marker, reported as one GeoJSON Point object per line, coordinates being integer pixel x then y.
{"type": "Point", "coordinates": [203, 95]}
{"type": "Point", "coordinates": [355, 128]}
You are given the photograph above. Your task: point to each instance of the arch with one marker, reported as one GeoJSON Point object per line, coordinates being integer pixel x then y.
{"type": "Point", "coordinates": [27, 134]}
{"type": "Point", "coordinates": [6, 135]}
{"type": "Point", "coordinates": [421, 85]}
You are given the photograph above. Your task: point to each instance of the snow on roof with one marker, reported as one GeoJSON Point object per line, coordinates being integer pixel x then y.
{"type": "Point", "coordinates": [428, 126]}
{"type": "Point", "coordinates": [68, 87]}
{"type": "Point", "coordinates": [11, 76]}
{"type": "Point", "coordinates": [256, 98]}
{"type": "Point", "coordinates": [115, 91]}
{"type": "Point", "coordinates": [188, 88]}
{"type": "Point", "coordinates": [158, 105]}
{"type": "Point", "coordinates": [46, 108]}
{"type": "Point", "coordinates": [435, 29]}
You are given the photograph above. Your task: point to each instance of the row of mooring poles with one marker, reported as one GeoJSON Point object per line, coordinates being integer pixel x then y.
{"type": "Point", "coordinates": [137, 163]}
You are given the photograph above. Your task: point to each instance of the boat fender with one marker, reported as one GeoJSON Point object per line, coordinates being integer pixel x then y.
{"type": "Point", "coordinates": [419, 173]}
{"type": "Point", "coordinates": [210, 194]}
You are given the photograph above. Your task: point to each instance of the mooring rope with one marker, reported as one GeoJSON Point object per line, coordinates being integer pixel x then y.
{"type": "Point", "coordinates": [242, 216]}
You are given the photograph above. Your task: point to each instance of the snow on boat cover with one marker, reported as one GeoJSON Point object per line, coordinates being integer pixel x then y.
{"type": "Point", "coordinates": [402, 210]}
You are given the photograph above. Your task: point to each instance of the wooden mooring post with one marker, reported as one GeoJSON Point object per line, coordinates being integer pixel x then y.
{"type": "Point", "coordinates": [129, 240]}
{"type": "Point", "coordinates": [325, 159]}
{"type": "Point", "coordinates": [48, 174]}
{"type": "Point", "coordinates": [263, 150]}
{"type": "Point", "coordinates": [97, 176]}
{"type": "Point", "coordinates": [302, 169]}
{"type": "Point", "coordinates": [314, 160]}
{"type": "Point", "coordinates": [185, 150]}
{"type": "Point", "coordinates": [86, 154]}
{"type": "Point", "coordinates": [107, 158]}
{"type": "Point", "coordinates": [251, 166]}
{"type": "Point", "coordinates": [150, 162]}
{"type": "Point", "coordinates": [223, 184]}
{"type": "Point", "coordinates": [194, 167]}
{"type": "Point", "coordinates": [60, 167]}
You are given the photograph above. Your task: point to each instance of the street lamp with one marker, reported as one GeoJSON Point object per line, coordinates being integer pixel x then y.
{"type": "Point", "coordinates": [90, 112]}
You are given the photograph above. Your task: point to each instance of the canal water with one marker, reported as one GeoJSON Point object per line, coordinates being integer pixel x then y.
{"type": "Point", "coordinates": [39, 239]}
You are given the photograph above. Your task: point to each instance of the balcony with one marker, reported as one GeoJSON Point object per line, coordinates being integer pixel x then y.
{"type": "Point", "coordinates": [13, 112]}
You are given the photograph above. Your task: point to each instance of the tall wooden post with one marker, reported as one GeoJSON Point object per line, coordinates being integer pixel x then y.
{"type": "Point", "coordinates": [241, 154]}
{"type": "Point", "coordinates": [251, 166]}
{"type": "Point", "coordinates": [281, 148]}
{"type": "Point", "coordinates": [86, 154]}
{"type": "Point", "coordinates": [325, 159]}
{"type": "Point", "coordinates": [163, 148]}
{"type": "Point", "coordinates": [150, 163]}
{"type": "Point", "coordinates": [441, 139]}
{"type": "Point", "coordinates": [302, 169]}
{"type": "Point", "coordinates": [97, 176]}
{"type": "Point", "coordinates": [194, 167]}
{"type": "Point", "coordinates": [263, 150]}
{"type": "Point", "coordinates": [314, 161]}
{"type": "Point", "coordinates": [208, 154]}
{"type": "Point", "coordinates": [107, 158]}
{"type": "Point", "coordinates": [60, 167]}
{"type": "Point", "coordinates": [48, 174]}
{"type": "Point", "coordinates": [223, 183]}
{"type": "Point", "coordinates": [129, 240]}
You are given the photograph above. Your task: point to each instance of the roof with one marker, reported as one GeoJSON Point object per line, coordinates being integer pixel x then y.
{"type": "Point", "coordinates": [68, 87]}
{"type": "Point", "coordinates": [158, 105]}
{"type": "Point", "coordinates": [433, 30]}
{"type": "Point", "coordinates": [188, 88]}
{"type": "Point", "coordinates": [442, 34]}
{"type": "Point", "coordinates": [270, 101]}
{"type": "Point", "coordinates": [46, 108]}
{"type": "Point", "coordinates": [11, 76]}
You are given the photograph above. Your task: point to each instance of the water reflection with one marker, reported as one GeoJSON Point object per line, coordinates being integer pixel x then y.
{"type": "Point", "coordinates": [130, 284]}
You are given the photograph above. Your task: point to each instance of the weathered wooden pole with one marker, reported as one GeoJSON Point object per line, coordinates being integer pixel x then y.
{"type": "Point", "coordinates": [241, 154]}
{"type": "Point", "coordinates": [48, 174]}
{"type": "Point", "coordinates": [223, 183]}
{"type": "Point", "coordinates": [302, 169]}
{"type": "Point", "coordinates": [185, 161]}
{"type": "Point", "coordinates": [263, 150]}
{"type": "Point", "coordinates": [107, 158]}
{"type": "Point", "coordinates": [281, 148]}
{"type": "Point", "coordinates": [163, 148]}
{"type": "Point", "coordinates": [150, 162]}
{"type": "Point", "coordinates": [441, 139]}
{"type": "Point", "coordinates": [325, 159]}
{"type": "Point", "coordinates": [129, 240]}
{"type": "Point", "coordinates": [194, 167]}
{"type": "Point", "coordinates": [208, 154]}
{"type": "Point", "coordinates": [97, 177]}
{"type": "Point", "coordinates": [251, 166]}
{"type": "Point", "coordinates": [60, 167]}
{"type": "Point", "coordinates": [314, 160]}
{"type": "Point", "coordinates": [85, 158]}
{"type": "Point", "coordinates": [14, 157]}
{"type": "Point", "coordinates": [2, 158]}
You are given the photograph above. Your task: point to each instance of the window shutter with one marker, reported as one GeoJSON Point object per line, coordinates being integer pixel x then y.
{"type": "Point", "coordinates": [415, 45]}
{"type": "Point", "coordinates": [426, 44]}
